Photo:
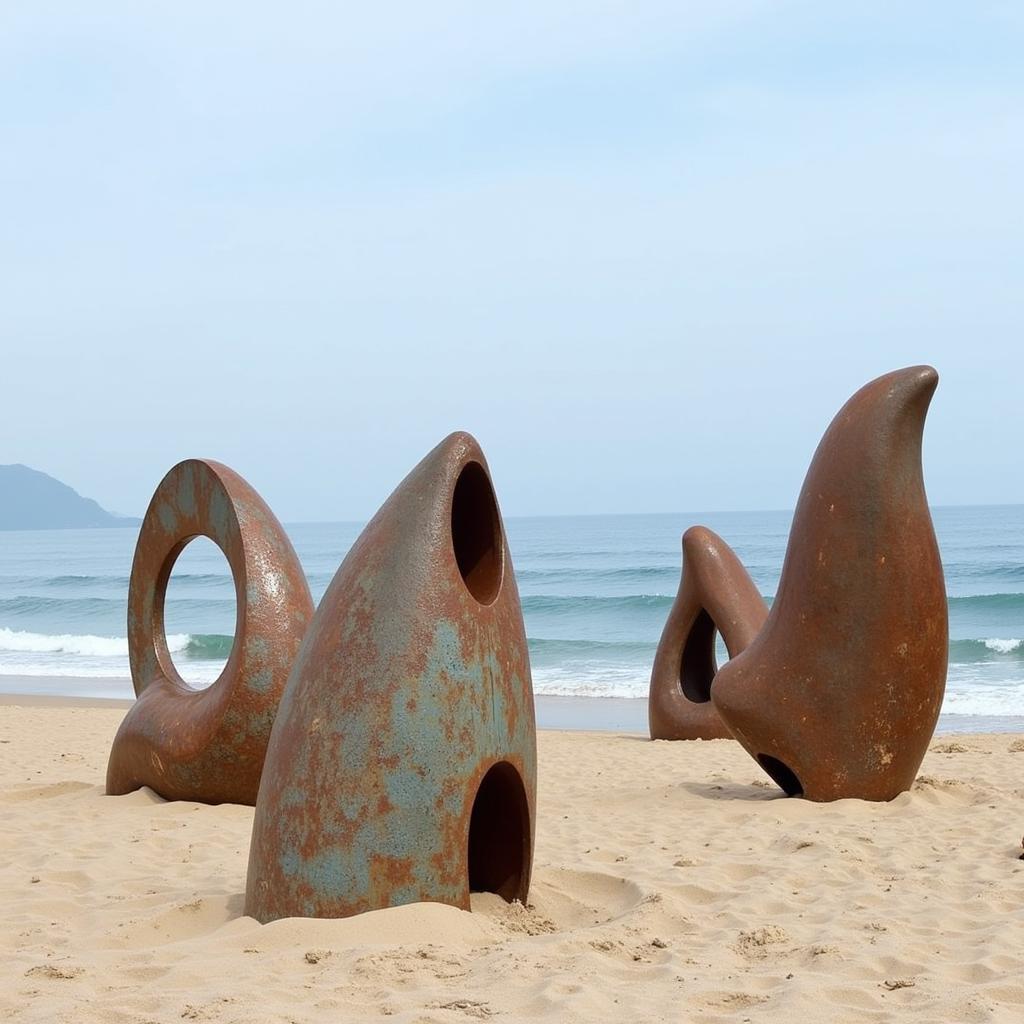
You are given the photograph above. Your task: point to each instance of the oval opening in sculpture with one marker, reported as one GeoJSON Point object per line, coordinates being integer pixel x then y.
{"type": "Point", "coordinates": [783, 775]}
{"type": "Point", "coordinates": [499, 834]}
{"type": "Point", "coordinates": [697, 665]}
{"type": "Point", "coordinates": [476, 533]}
{"type": "Point", "coordinates": [201, 550]}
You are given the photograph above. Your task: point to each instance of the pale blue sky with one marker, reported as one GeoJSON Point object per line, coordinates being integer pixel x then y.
{"type": "Point", "coordinates": [642, 250]}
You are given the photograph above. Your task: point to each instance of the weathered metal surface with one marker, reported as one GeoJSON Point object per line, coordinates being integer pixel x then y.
{"type": "Point", "coordinates": [839, 693]}
{"type": "Point", "coordinates": [208, 745]}
{"type": "Point", "coordinates": [716, 595]}
{"type": "Point", "coordinates": [402, 766]}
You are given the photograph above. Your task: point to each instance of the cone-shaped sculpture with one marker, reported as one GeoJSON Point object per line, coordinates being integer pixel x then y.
{"type": "Point", "coordinates": [402, 765]}
{"type": "Point", "coordinates": [716, 595]}
{"type": "Point", "coordinates": [839, 693]}
{"type": "Point", "coordinates": [208, 745]}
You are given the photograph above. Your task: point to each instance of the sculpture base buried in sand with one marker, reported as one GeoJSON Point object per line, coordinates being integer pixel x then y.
{"type": "Point", "coordinates": [716, 595]}
{"type": "Point", "coordinates": [839, 693]}
{"type": "Point", "coordinates": [208, 745]}
{"type": "Point", "coordinates": [402, 766]}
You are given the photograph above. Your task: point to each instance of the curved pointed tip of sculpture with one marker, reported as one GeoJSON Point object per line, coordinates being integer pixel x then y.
{"type": "Point", "coordinates": [904, 392]}
{"type": "Point", "coordinates": [457, 437]}
{"type": "Point", "coordinates": [923, 378]}
{"type": "Point", "coordinates": [916, 381]}
{"type": "Point", "coordinates": [698, 539]}
{"type": "Point", "coordinates": [457, 444]}
{"type": "Point", "coordinates": [452, 452]}
{"type": "Point", "coordinates": [913, 387]}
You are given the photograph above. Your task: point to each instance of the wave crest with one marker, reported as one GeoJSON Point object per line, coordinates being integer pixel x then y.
{"type": "Point", "coordinates": [200, 646]}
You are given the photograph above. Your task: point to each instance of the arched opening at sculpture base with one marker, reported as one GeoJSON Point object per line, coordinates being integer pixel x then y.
{"type": "Point", "coordinates": [499, 834]}
{"type": "Point", "coordinates": [783, 775]}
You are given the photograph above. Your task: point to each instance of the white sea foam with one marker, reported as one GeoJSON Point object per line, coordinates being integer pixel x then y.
{"type": "Point", "coordinates": [1003, 646]}
{"type": "Point", "coordinates": [594, 681]}
{"type": "Point", "coordinates": [995, 701]}
{"type": "Point", "coordinates": [970, 690]}
{"type": "Point", "coordinates": [981, 688]}
{"type": "Point", "coordinates": [86, 656]}
{"type": "Point", "coordinates": [85, 645]}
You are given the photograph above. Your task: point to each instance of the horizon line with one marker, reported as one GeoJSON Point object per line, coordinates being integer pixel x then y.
{"type": "Point", "coordinates": [605, 515]}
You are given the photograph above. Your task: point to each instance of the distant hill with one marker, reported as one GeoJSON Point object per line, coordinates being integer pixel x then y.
{"type": "Point", "coordinates": [30, 500]}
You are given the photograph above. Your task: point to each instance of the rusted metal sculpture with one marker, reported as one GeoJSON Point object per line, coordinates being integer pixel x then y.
{"type": "Point", "coordinates": [716, 595]}
{"type": "Point", "coordinates": [839, 693]}
{"type": "Point", "coordinates": [402, 765]}
{"type": "Point", "coordinates": [208, 745]}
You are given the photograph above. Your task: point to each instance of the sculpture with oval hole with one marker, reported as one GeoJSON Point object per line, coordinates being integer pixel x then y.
{"type": "Point", "coordinates": [716, 594]}
{"type": "Point", "coordinates": [208, 744]}
{"type": "Point", "coordinates": [402, 766]}
{"type": "Point", "coordinates": [839, 693]}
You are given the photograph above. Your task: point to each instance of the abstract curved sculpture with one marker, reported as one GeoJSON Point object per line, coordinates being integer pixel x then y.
{"type": "Point", "coordinates": [208, 745]}
{"type": "Point", "coordinates": [402, 766]}
{"type": "Point", "coordinates": [716, 595]}
{"type": "Point", "coordinates": [839, 693]}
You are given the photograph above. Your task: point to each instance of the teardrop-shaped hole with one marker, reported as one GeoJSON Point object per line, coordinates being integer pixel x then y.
{"type": "Point", "coordinates": [476, 533]}
{"type": "Point", "coordinates": [196, 613]}
{"type": "Point", "coordinates": [698, 665]}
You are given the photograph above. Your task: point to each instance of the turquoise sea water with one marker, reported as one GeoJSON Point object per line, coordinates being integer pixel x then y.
{"type": "Point", "coordinates": [596, 591]}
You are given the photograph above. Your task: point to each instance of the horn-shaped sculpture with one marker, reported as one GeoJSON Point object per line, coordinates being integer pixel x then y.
{"type": "Point", "coordinates": [402, 766]}
{"type": "Point", "coordinates": [839, 694]}
{"type": "Point", "coordinates": [716, 595]}
{"type": "Point", "coordinates": [208, 745]}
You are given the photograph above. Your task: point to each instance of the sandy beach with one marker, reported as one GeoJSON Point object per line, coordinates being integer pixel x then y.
{"type": "Point", "coordinates": [672, 882]}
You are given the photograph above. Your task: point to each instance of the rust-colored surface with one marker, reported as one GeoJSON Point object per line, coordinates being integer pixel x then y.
{"type": "Point", "coordinates": [208, 745]}
{"type": "Point", "coordinates": [716, 595]}
{"type": "Point", "coordinates": [839, 693]}
{"type": "Point", "coordinates": [402, 765]}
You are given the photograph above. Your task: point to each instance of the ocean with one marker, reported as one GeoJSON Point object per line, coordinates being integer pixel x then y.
{"type": "Point", "coordinates": [595, 590]}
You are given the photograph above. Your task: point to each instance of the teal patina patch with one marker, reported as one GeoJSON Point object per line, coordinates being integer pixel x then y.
{"type": "Point", "coordinates": [451, 691]}
{"type": "Point", "coordinates": [445, 655]}
{"type": "Point", "coordinates": [186, 493]}
{"type": "Point", "coordinates": [220, 517]}
{"type": "Point", "coordinates": [168, 516]}
{"type": "Point", "coordinates": [410, 786]}
{"type": "Point", "coordinates": [292, 796]}
{"type": "Point", "coordinates": [330, 873]}
{"type": "Point", "coordinates": [403, 894]}
{"type": "Point", "coordinates": [262, 681]}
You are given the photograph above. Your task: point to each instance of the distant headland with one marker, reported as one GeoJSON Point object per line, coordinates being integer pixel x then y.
{"type": "Point", "coordinates": [30, 500]}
